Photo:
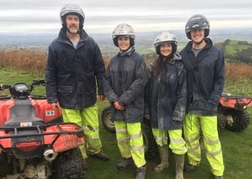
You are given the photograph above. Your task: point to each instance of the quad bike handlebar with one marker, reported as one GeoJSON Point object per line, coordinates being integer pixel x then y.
{"type": "Point", "coordinates": [21, 89]}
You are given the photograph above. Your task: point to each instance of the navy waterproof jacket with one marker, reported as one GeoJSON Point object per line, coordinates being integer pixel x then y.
{"type": "Point", "coordinates": [166, 94]}
{"type": "Point", "coordinates": [71, 74]}
{"type": "Point", "coordinates": [124, 81]}
{"type": "Point", "coordinates": [205, 78]}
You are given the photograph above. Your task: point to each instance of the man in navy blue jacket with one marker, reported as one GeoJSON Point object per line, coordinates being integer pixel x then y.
{"type": "Point", "coordinates": [205, 82]}
{"type": "Point", "coordinates": [74, 66]}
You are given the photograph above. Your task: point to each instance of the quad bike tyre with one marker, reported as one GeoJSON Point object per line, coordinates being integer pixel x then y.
{"type": "Point", "coordinates": [106, 120]}
{"type": "Point", "coordinates": [236, 120]}
{"type": "Point", "coordinates": [69, 165]}
{"type": "Point", "coordinates": [150, 149]}
{"type": "Point", "coordinates": [221, 121]}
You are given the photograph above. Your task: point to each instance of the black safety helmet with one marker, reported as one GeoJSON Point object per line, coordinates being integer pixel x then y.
{"type": "Point", "coordinates": [72, 9]}
{"type": "Point", "coordinates": [197, 21]}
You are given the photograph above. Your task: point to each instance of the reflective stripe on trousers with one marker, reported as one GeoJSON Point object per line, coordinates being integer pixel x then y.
{"type": "Point", "coordinates": [177, 143]}
{"type": "Point", "coordinates": [191, 127]}
{"type": "Point", "coordinates": [88, 119]}
{"type": "Point", "coordinates": [130, 141]}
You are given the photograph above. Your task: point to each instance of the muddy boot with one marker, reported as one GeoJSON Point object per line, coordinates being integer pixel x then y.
{"type": "Point", "coordinates": [163, 153]}
{"type": "Point", "coordinates": [141, 171]}
{"type": "Point", "coordinates": [190, 167]}
{"type": "Point", "coordinates": [100, 155]}
{"type": "Point", "coordinates": [125, 163]}
{"type": "Point", "coordinates": [179, 160]}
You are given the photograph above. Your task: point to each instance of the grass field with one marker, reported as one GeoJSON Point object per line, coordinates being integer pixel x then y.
{"type": "Point", "coordinates": [237, 147]}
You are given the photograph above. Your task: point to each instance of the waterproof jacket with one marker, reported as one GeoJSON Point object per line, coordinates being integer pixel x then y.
{"type": "Point", "coordinates": [166, 94]}
{"type": "Point", "coordinates": [71, 74]}
{"type": "Point", "coordinates": [205, 78]}
{"type": "Point", "coordinates": [124, 81]}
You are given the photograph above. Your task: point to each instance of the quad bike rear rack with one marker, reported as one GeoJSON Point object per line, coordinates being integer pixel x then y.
{"type": "Point", "coordinates": [235, 101]}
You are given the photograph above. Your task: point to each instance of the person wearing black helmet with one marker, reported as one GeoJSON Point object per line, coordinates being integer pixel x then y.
{"type": "Point", "coordinates": [166, 101]}
{"type": "Point", "coordinates": [124, 83]}
{"type": "Point", "coordinates": [205, 82]}
{"type": "Point", "coordinates": [73, 68]}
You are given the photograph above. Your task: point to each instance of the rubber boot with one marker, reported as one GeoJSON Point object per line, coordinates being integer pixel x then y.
{"type": "Point", "coordinates": [125, 163]}
{"type": "Point", "coordinates": [179, 160]}
{"type": "Point", "coordinates": [141, 172]}
{"type": "Point", "coordinates": [163, 153]}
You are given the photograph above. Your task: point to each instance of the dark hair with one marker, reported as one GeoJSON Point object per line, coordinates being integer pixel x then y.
{"type": "Point", "coordinates": [161, 59]}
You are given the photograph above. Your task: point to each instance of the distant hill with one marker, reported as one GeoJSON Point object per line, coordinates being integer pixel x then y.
{"type": "Point", "coordinates": [236, 51]}
{"type": "Point", "coordinates": [237, 47]}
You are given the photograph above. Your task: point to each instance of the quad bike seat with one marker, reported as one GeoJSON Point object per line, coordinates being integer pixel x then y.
{"type": "Point", "coordinates": [23, 114]}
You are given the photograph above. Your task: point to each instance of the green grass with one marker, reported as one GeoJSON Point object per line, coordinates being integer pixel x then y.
{"type": "Point", "coordinates": [233, 47]}
{"type": "Point", "coordinates": [237, 147]}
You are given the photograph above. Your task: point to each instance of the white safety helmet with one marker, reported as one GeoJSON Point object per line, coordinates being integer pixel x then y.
{"type": "Point", "coordinates": [165, 37]}
{"type": "Point", "coordinates": [71, 9]}
{"type": "Point", "coordinates": [123, 30]}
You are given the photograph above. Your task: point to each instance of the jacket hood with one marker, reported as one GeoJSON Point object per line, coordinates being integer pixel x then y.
{"type": "Point", "coordinates": [176, 56]}
{"type": "Point", "coordinates": [128, 52]}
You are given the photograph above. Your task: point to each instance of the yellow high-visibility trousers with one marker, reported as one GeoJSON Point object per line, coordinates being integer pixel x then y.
{"type": "Point", "coordinates": [88, 119]}
{"type": "Point", "coordinates": [177, 143]}
{"type": "Point", "coordinates": [130, 141]}
{"type": "Point", "coordinates": [208, 124]}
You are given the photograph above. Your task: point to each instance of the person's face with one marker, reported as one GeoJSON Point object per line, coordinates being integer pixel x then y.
{"type": "Point", "coordinates": [198, 35]}
{"type": "Point", "coordinates": [123, 43]}
{"type": "Point", "coordinates": [166, 49]}
{"type": "Point", "coordinates": [72, 23]}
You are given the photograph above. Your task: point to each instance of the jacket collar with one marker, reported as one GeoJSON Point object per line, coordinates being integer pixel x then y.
{"type": "Point", "coordinates": [175, 57]}
{"type": "Point", "coordinates": [208, 41]}
{"type": "Point", "coordinates": [63, 37]}
{"type": "Point", "coordinates": [128, 52]}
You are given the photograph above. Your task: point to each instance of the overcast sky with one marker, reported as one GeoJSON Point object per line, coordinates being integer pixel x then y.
{"type": "Point", "coordinates": [31, 16]}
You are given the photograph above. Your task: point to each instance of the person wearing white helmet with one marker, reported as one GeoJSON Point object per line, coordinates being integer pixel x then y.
{"type": "Point", "coordinates": [166, 101]}
{"type": "Point", "coordinates": [124, 83]}
{"type": "Point", "coordinates": [73, 68]}
{"type": "Point", "coordinates": [205, 76]}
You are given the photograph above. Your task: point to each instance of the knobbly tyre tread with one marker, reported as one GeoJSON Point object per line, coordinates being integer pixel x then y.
{"type": "Point", "coordinates": [221, 121]}
{"type": "Point", "coordinates": [240, 122]}
{"type": "Point", "coordinates": [69, 165]}
{"type": "Point", "coordinates": [106, 120]}
{"type": "Point", "coordinates": [151, 149]}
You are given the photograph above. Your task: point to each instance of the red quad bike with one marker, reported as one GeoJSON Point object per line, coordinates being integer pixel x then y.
{"type": "Point", "coordinates": [232, 113]}
{"type": "Point", "coordinates": [34, 141]}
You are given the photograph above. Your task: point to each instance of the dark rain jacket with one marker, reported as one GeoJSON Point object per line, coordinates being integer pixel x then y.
{"type": "Point", "coordinates": [205, 78]}
{"type": "Point", "coordinates": [71, 74]}
{"type": "Point", "coordinates": [166, 94]}
{"type": "Point", "coordinates": [124, 81]}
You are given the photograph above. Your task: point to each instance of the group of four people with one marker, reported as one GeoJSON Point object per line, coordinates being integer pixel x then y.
{"type": "Point", "coordinates": [177, 90]}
